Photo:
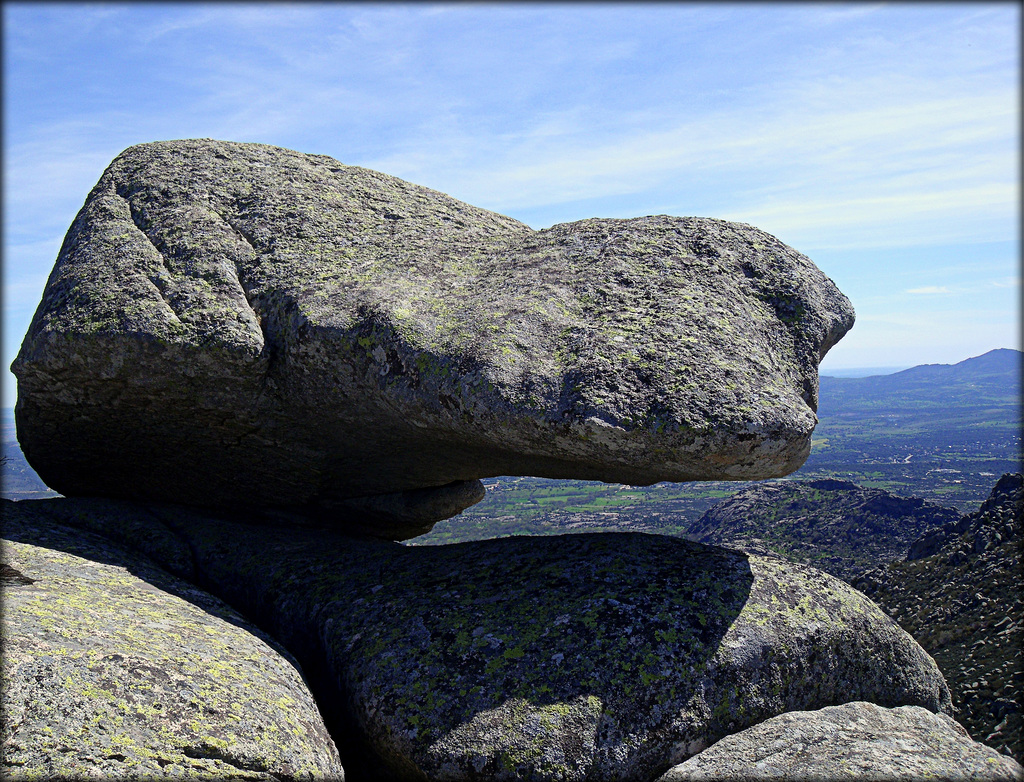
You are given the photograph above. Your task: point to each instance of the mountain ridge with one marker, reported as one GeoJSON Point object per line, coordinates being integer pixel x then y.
{"type": "Point", "coordinates": [997, 357]}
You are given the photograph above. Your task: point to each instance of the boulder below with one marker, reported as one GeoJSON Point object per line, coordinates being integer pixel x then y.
{"type": "Point", "coordinates": [852, 741]}
{"type": "Point", "coordinates": [598, 657]}
{"type": "Point", "coordinates": [114, 669]}
{"type": "Point", "coordinates": [247, 326]}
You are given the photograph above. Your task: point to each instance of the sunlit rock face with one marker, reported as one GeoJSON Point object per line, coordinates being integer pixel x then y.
{"type": "Point", "coordinates": [853, 741]}
{"type": "Point", "coordinates": [115, 669]}
{"type": "Point", "coordinates": [245, 326]}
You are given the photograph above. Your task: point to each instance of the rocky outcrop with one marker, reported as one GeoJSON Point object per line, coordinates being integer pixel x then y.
{"type": "Point", "coordinates": [114, 669]}
{"type": "Point", "coordinates": [252, 327]}
{"type": "Point", "coordinates": [587, 656]}
{"type": "Point", "coordinates": [963, 603]}
{"type": "Point", "coordinates": [837, 526]}
{"type": "Point", "coordinates": [997, 520]}
{"type": "Point", "coordinates": [853, 741]}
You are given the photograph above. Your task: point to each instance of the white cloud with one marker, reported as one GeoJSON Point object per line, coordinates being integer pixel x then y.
{"type": "Point", "coordinates": [929, 289]}
{"type": "Point", "coordinates": [1006, 282]}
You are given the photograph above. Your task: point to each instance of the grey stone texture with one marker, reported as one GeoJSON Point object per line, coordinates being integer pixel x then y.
{"type": "Point", "coordinates": [597, 656]}
{"type": "Point", "coordinates": [112, 668]}
{"type": "Point", "coordinates": [250, 327]}
{"type": "Point", "coordinates": [959, 593]}
{"type": "Point", "coordinates": [857, 740]}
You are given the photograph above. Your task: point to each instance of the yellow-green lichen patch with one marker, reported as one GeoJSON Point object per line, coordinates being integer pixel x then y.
{"type": "Point", "coordinates": [135, 673]}
{"type": "Point", "coordinates": [472, 656]}
{"type": "Point", "coordinates": [316, 330]}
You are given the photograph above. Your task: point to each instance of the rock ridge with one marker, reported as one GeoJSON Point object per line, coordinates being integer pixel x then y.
{"type": "Point", "coordinates": [838, 526]}
{"type": "Point", "coordinates": [962, 601]}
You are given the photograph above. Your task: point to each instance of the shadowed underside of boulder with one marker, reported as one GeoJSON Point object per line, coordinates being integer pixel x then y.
{"type": "Point", "coordinates": [598, 657]}
{"type": "Point", "coordinates": [114, 669]}
{"type": "Point", "coordinates": [853, 741]}
{"type": "Point", "coordinates": [248, 326]}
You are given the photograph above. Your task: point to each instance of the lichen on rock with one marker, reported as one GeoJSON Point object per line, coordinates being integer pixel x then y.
{"type": "Point", "coordinates": [112, 668]}
{"type": "Point", "coordinates": [247, 326]}
{"type": "Point", "coordinates": [602, 656]}
{"type": "Point", "coordinates": [856, 740]}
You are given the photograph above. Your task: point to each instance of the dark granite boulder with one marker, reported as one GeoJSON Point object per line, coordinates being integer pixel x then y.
{"type": "Point", "coordinates": [598, 657]}
{"type": "Point", "coordinates": [245, 326]}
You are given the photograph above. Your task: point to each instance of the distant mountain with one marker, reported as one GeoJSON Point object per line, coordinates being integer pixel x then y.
{"type": "Point", "coordinates": [836, 526]}
{"type": "Point", "coordinates": [976, 383]}
{"type": "Point", "coordinates": [939, 431]}
{"type": "Point", "coordinates": [963, 604]}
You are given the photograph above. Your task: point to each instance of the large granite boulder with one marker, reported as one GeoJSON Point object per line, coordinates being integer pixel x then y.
{"type": "Point", "coordinates": [837, 526]}
{"type": "Point", "coordinates": [598, 657]}
{"type": "Point", "coordinates": [114, 669]}
{"type": "Point", "coordinates": [247, 326]}
{"type": "Point", "coordinates": [853, 741]}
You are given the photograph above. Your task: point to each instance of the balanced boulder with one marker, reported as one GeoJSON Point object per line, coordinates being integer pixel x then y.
{"type": "Point", "coordinates": [245, 326]}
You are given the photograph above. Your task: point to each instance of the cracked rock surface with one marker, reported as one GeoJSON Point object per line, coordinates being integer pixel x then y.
{"type": "Point", "coordinates": [247, 326]}
{"type": "Point", "coordinates": [112, 668]}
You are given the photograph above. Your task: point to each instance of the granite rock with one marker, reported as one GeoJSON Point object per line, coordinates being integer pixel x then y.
{"type": "Point", "coordinates": [961, 599]}
{"type": "Point", "coordinates": [112, 668]}
{"type": "Point", "coordinates": [597, 656]}
{"type": "Point", "coordinates": [853, 741]}
{"type": "Point", "coordinates": [837, 526]}
{"type": "Point", "coordinates": [241, 325]}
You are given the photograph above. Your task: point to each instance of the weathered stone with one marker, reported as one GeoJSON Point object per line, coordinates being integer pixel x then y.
{"type": "Point", "coordinates": [853, 741]}
{"type": "Point", "coordinates": [963, 602]}
{"type": "Point", "coordinates": [112, 668]}
{"type": "Point", "coordinates": [602, 656]}
{"type": "Point", "coordinates": [244, 325]}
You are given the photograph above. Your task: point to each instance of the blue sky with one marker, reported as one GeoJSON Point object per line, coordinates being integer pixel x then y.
{"type": "Point", "coordinates": [880, 140]}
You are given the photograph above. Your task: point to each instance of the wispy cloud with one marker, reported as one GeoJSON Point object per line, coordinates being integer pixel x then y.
{"type": "Point", "coordinates": [1006, 282]}
{"type": "Point", "coordinates": [929, 289]}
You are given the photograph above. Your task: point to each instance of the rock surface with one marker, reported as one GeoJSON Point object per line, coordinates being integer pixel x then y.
{"type": "Point", "coordinates": [853, 741]}
{"type": "Point", "coordinates": [837, 526]}
{"type": "Point", "coordinates": [963, 603]}
{"type": "Point", "coordinates": [113, 669]}
{"type": "Point", "coordinates": [249, 326]}
{"type": "Point", "coordinates": [583, 657]}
